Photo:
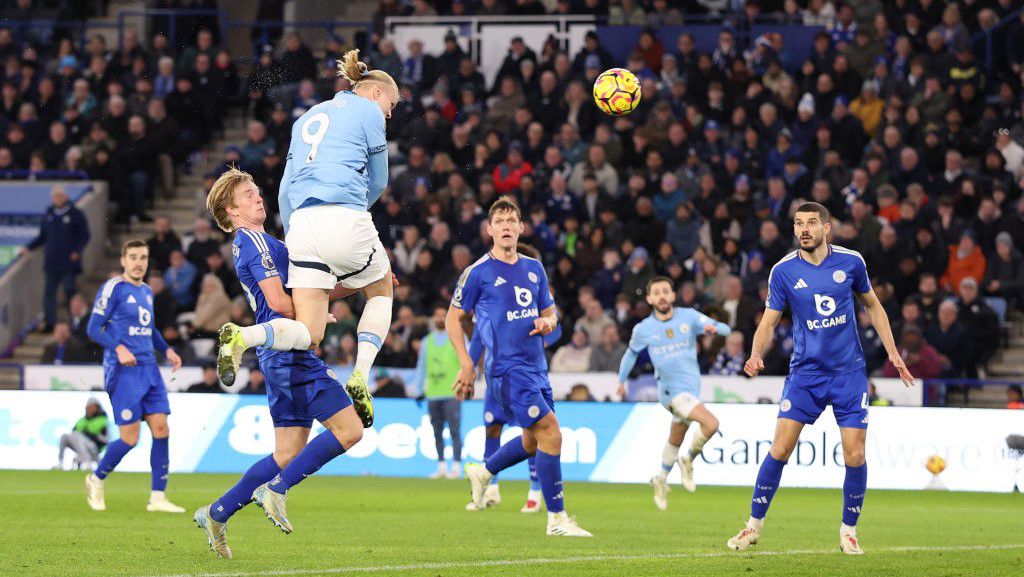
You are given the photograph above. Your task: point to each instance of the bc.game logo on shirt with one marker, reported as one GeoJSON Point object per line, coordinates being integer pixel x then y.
{"type": "Point", "coordinates": [826, 306]}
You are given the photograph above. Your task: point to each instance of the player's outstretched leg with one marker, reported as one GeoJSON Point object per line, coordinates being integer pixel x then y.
{"type": "Point", "coordinates": [277, 334]}
{"type": "Point", "coordinates": [659, 482]}
{"type": "Point", "coordinates": [533, 497]}
{"type": "Point", "coordinates": [159, 463]}
{"type": "Point", "coordinates": [480, 476]}
{"type": "Point", "coordinates": [115, 452]}
{"type": "Point", "coordinates": [213, 518]}
{"type": "Point", "coordinates": [787, 432]}
{"type": "Point", "coordinates": [216, 532]}
{"type": "Point", "coordinates": [343, 431]}
{"type": "Point", "coordinates": [708, 427]}
{"type": "Point", "coordinates": [854, 488]}
{"type": "Point", "coordinates": [492, 442]}
{"type": "Point", "coordinates": [370, 334]}
{"type": "Point", "coordinates": [545, 438]}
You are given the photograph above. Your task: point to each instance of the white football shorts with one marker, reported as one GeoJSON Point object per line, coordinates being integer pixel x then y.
{"type": "Point", "coordinates": [331, 244]}
{"type": "Point", "coordinates": [681, 406]}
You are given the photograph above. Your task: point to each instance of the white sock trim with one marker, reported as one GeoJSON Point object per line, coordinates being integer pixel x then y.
{"type": "Point", "coordinates": [375, 322]}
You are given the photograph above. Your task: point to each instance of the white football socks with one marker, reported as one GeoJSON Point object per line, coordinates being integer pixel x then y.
{"type": "Point", "coordinates": [697, 443]}
{"type": "Point", "coordinates": [373, 328]}
{"type": "Point", "coordinates": [278, 334]}
{"type": "Point", "coordinates": [668, 458]}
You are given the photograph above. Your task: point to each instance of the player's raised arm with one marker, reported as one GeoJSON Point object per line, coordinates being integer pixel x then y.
{"type": "Point", "coordinates": [762, 341]}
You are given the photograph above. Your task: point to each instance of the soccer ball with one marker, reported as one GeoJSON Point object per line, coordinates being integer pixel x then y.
{"type": "Point", "coordinates": [935, 464]}
{"type": "Point", "coordinates": [617, 92]}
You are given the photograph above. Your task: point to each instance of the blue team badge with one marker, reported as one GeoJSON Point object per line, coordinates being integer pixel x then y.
{"type": "Point", "coordinates": [786, 405]}
{"type": "Point", "coordinates": [533, 411]}
{"type": "Point", "coordinates": [267, 261]}
{"type": "Point", "coordinates": [670, 333]}
{"type": "Point", "coordinates": [533, 277]}
{"type": "Point", "coordinates": [149, 299]}
{"type": "Point", "coordinates": [839, 276]}
{"type": "Point", "coordinates": [102, 303]}
{"type": "Point", "coordinates": [126, 415]}
{"type": "Point", "coordinates": [234, 250]}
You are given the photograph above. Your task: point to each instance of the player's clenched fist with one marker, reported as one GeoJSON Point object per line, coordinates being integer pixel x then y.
{"type": "Point", "coordinates": [753, 366]}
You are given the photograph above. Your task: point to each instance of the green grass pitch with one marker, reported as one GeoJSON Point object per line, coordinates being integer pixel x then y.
{"type": "Point", "coordinates": [411, 527]}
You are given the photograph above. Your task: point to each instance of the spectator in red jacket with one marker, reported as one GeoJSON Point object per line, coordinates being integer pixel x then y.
{"type": "Point", "coordinates": [510, 173]}
{"type": "Point", "coordinates": [922, 359]}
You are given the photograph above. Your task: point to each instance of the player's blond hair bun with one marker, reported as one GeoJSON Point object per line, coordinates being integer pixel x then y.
{"type": "Point", "coordinates": [356, 72]}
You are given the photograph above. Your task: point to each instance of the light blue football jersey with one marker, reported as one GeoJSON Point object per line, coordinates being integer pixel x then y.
{"type": "Point", "coordinates": [338, 155]}
{"type": "Point", "coordinates": [821, 298]}
{"type": "Point", "coordinates": [672, 345]}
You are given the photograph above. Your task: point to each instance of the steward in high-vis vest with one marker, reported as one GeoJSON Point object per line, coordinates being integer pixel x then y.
{"type": "Point", "coordinates": [436, 369]}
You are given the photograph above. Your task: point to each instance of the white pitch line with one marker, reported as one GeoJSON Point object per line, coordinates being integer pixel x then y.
{"type": "Point", "coordinates": [589, 559]}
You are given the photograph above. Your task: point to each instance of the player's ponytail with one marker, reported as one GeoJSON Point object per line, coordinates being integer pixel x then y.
{"type": "Point", "coordinates": [351, 69]}
{"type": "Point", "coordinates": [357, 73]}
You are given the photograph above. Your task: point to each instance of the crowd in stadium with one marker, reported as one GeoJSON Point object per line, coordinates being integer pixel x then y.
{"type": "Point", "coordinates": [895, 121]}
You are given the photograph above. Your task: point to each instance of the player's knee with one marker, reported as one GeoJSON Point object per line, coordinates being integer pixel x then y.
{"type": "Point", "coordinates": [493, 431]}
{"type": "Point", "coordinates": [780, 453]}
{"type": "Point", "coordinates": [130, 439]}
{"type": "Point", "coordinates": [283, 456]}
{"type": "Point", "coordinates": [349, 436]}
{"type": "Point", "coordinates": [711, 427]}
{"type": "Point", "coordinates": [853, 457]}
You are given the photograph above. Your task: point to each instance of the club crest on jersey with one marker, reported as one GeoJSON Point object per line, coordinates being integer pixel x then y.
{"type": "Point", "coordinates": [685, 329]}
{"type": "Point", "coordinates": [126, 415]}
{"type": "Point", "coordinates": [532, 276]}
{"type": "Point", "coordinates": [839, 276]}
{"type": "Point", "coordinates": [786, 405]}
{"type": "Point", "coordinates": [523, 296]}
{"type": "Point", "coordinates": [234, 250]}
{"type": "Point", "coordinates": [533, 411]}
{"type": "Point", "coordinates": [267, 261]}
{"type": "Point", "coordinates": [488, 417]}
{"type": "Point", "coordinates": [670, 333]}
{"type": "Point", "coordinates": [825, 305]}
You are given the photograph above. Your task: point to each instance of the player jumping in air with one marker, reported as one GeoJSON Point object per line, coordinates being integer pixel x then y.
{"type": "Point", "coordinates": [818, 283]}
{"type": "Point", "coordinates": [508, 295]}
{"type": "Point", "coordinates": [337, 168]}
{"type": "Point", "coordinates": [495, 419]}
{"type": "Point", "coordinates": [670, 336]}
{"type": "Point", "coordinates": [300, 387]}
{"type": "Point", "coordinates": [122, 323]}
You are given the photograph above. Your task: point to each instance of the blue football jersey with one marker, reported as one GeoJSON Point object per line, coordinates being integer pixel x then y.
{"type": "Point", "coordinates": [330, 153]}
{"type": "Point", "coordinates": [672, 345]}
{"type": "Point", "coordinates": [125, 311]}
{"type": "Point", "coordinates": [821, 299]}
{"type": "Point", "coordinates": [259, 256]}
{"type": "Point", "coordinates": [505, 299]}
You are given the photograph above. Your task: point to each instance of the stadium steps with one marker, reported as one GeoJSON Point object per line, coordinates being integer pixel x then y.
{"type": "Point", "coordinates": [183, 208]}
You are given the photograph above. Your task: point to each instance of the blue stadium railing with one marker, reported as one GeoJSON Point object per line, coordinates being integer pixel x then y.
{"type": "Point", "coordinates": [226, 23]}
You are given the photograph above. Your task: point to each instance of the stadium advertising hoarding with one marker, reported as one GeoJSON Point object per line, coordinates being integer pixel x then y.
{"type": "Point", "coordinates": [613, 442]}
{"type": "Point", "coordinates": [601, 385]}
